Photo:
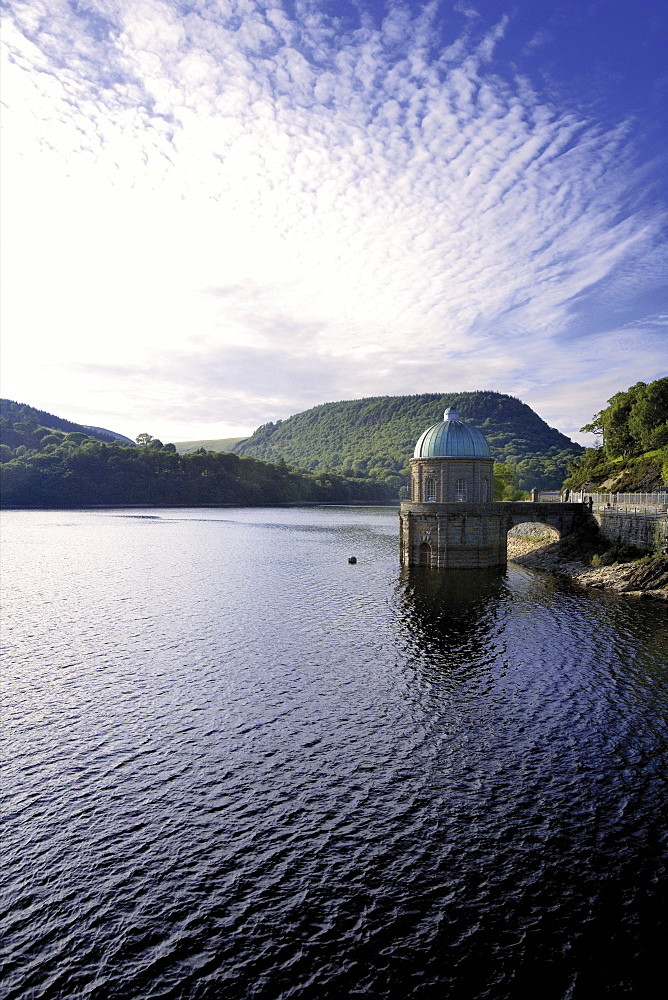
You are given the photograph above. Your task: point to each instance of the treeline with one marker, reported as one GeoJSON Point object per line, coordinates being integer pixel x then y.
{"type": "Point", "coordinates": [75, 470]}
{"type": "Point", "coordinates": [634, 421]}
{"type": "Point", "coordinates": [374, 438]}
{"type": "Point", "coordinates": [24, 419]}
{"type": "Point", "coordinates": [633, 429]}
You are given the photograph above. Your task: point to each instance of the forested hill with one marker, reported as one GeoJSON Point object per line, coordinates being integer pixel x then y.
{"type": "Point", "coordinates": [18, 421]}
{"type": "Point", "coordinates": [375, 437]}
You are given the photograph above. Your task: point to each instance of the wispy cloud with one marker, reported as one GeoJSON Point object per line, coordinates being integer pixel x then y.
{"type": "Point", "coordinates": [269, 210]}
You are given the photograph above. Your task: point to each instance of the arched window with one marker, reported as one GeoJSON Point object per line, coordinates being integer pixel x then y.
{"type": "Point", "coordinates": [484, 491]}
{"type": "Point", "coordinates": [429, 489]}
{"type": "Point", "coordinates": [460, 493]}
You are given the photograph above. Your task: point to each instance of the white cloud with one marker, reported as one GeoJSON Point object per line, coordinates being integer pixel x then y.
{"type": "Point", "coordinates": [382, 216]}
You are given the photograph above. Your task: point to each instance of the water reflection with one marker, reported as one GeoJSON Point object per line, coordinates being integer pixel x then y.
{"type": "Point", "coordinates": [451, 614]}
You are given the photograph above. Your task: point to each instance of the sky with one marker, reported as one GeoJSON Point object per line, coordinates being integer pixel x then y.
{"type": "Point", "coordinates": [218, 213]}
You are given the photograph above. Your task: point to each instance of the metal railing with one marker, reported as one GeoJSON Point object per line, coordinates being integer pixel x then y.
{"type": "Point", "coordinates": [653, 504]}
{"type": "Point", "coordinates": [646, 504]}
{"type": "Point", "coordinates": [620, 499]}
{"type": "Point", "coordinates": [629, 499]}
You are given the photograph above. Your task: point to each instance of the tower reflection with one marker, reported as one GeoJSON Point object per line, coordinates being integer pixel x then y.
{"type": "Point", "coordinates": [452, 614]}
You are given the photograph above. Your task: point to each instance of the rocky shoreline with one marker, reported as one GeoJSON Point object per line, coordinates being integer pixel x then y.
{"type": "Point", "coordinates": [641, 579]}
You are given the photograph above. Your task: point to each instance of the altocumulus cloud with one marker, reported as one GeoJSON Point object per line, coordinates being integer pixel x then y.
{"type": "Point", "coordinates": [247, 210]}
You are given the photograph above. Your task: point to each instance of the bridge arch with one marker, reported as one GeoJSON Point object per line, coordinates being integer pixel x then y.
{"type": "Point", "coordinates": [562, 518]}
{"type": "Point", "coordinates": [551, 528]}
{"type": "Point", "coordinates": [525, 536]}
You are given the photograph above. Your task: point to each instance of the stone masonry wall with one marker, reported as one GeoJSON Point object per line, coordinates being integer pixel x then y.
{"type": "Point", "coordinates": [448, 540]}
{"type": "Point", "coordinates": [646, 532]}
{"type": "Point", "coordinates": [446, 471]}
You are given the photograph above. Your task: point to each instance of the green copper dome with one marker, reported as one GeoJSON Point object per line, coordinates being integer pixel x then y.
{"type": "Point", "coordinates": [452, 439]}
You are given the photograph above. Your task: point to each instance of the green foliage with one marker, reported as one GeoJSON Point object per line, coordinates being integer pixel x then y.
{"type": "Point", "coordinates": [634, 421]}
{"type": "Point", "coordinates": [648, 418]}
{"type": "Point", "coordinates": [23, 417]}
{"type": "Point", "coordinates": [74, 470]}
{"type": "Point", "coordinates": [374, 438]}
{"type": "Point", "coordinates": [505, 483]}
{"type": "Point", "coordinates": [643, 474]}
{"type": "Point", "coordinates": [633, 424]}
{"type": "Point", "coordinates": [619, 552]}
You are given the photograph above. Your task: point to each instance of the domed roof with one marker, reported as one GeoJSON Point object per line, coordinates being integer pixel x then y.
{"type": "Point", "coordinates": [451, 438]}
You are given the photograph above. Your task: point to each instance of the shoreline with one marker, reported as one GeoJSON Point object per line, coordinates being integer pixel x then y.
{"type": "Point", "coordinates": [643, 580]}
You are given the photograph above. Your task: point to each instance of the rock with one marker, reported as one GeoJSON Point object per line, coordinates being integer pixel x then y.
{"type": "Point", "coordinates": [644, 580]}
{"type": "Point", "coordinates": [650, 575]}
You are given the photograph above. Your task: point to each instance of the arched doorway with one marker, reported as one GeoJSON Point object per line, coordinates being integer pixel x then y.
{"type": "Point", "coordinates": [425, 554]}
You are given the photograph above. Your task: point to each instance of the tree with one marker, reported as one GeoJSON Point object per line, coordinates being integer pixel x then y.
{"type": "Point", "coordinates": [634, 421]}
{"type": "Point", "coordinates": [648, 419]}
{"type": "Point", "coordinates": [595, 427]}
{"type": "Point", "coordinates": [76, 437]}
{"type": "Point", "coordinates": [619, 439]}
{"type": "Point", "coordinates": [505, 483]}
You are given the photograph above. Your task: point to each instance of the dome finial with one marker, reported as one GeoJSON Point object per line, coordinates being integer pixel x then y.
{"type": "Point", "coordinates": [451, 414]}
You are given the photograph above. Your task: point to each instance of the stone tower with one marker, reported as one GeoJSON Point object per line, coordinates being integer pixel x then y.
{"type": "Point", "coordinates": [447, 521]}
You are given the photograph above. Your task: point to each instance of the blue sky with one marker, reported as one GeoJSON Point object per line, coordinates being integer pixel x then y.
{"type": "Point", "coordinates": [221, 213]}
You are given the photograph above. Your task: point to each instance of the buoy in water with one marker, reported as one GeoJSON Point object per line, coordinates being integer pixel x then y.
{"type": "Point", "coordinates": [352, 559]}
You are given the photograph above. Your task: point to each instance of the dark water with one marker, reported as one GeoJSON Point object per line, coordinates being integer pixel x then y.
{"type": "Point", "coordinates": [237, 766]}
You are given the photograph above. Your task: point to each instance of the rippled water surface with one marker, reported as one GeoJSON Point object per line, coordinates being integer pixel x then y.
{"type": "Point", "coordinates": [237, 766]}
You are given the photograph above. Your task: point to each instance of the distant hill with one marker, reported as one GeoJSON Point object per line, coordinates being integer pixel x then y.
{"type": "Point", "coordinates": [18, 413]}
{"type": "Point", "coordinates": [375, 437]}
{"type": "Point", "coordinates": [217, 444]}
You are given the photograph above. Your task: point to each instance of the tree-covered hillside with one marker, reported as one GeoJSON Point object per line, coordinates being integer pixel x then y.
{"type": "Point", "coordinates": [75, 470]}
{"type": "Point", "coordinates": [632, 455]}
{"type": "Point", "coordinates": [375, 437]}
{"type": "Point", "coordinates": [18, 422]}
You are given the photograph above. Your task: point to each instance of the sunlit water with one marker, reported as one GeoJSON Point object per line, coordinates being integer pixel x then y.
{"type": "Point", "coordinates": [237, 766]}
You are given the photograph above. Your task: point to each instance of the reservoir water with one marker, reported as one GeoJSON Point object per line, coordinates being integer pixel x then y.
{"type": "Point", "coordinates": [236, 766]}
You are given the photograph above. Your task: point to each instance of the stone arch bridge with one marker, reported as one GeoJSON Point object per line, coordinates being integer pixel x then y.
{"type": "Point", "coordinates": [469, 535]}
